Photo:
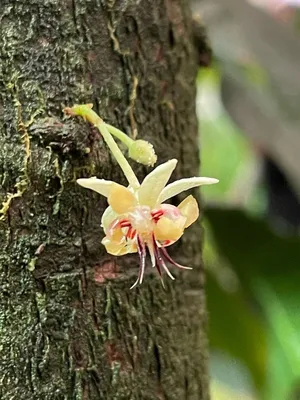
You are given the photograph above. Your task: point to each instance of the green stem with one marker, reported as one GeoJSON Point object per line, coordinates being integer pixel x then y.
{"type": "Point", "coordinates": [126, 168]}
{"type": "Point", "coordinates": [120, 135]}
{"type": "Point", "coordinates": [85, 111]}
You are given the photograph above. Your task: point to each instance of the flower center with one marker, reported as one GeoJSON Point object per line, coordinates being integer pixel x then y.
{"type": "Point", "coordinates": [141, 221]}
{"type": "Point", "coordinates": [165, 223]}
{"type": "Point", "coordinates": [138, 222]}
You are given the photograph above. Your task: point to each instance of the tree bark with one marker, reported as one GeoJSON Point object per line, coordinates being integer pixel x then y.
{"type": "Point", "coordinates": [70, 328]}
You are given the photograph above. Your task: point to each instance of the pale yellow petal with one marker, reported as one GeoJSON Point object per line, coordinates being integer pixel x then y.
{"type": "Point", "coordinates": [132, 247]}
{"type": "Point", "coordinates": [166, 229]}
{"type": "Point", "coordinates": [182, 185]}
{"type": "Point", "coordinates": [119, 249]}
{"type": "Point", "coordinates": [117, 235]}
{"type": "Point", "coordinates": [121, 199]}
{"type": "Point", "coordinates": [100, 186]}
{"type": "Point", "coordinates": [107, 218]}
{"type": "Point", "coordinates": [154, 183]}
{"type": "Point", "coordinates": [189, 208]}
{"type": "Point", "coordinates": [116, 249]}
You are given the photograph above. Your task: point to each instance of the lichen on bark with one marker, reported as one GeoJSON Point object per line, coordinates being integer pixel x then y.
{"type": "Point", "coordinates": [70, 328]}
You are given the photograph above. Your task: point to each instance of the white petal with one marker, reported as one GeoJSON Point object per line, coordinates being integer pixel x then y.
{"type": "Point", "coordinates": [184, 184]}
{"type": "Point", "coordinates": [154, 183]}
{"type": "Point", "coordinates": [98, 185]}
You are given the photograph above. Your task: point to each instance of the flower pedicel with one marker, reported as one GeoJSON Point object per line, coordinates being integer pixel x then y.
{"type": "Point", "coordinates": [137, 218]}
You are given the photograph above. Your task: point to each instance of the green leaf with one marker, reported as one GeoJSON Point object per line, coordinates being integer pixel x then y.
{"type": "Point", "coordinates": [235, 328]}
{"type": "Point", "coordinates": [268, 267]}
{"type": "Point", "coordinates": [280, 301]}
{"type": "Point", "coordinates": [225, 149]}
{"type": "Point", "coordinates": [251, 246]}
{"type": "Point", "coordinates": [219, 391]}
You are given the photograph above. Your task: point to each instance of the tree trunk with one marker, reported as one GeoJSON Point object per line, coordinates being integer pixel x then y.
{"type": "Point", "coordinates": [70, 327]}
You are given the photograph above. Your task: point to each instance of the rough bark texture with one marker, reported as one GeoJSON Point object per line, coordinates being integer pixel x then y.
{"type": "Point", "coordinates": [70, 328]}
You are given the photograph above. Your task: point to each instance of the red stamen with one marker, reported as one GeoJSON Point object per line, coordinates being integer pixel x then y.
{"type": "Point", "coordinates": [133, 233]}
{"type": "Point", "coordinates": [156, 264]}
{"type": "Point", "coordinates": [142, 255]}
{"type": "Point", "coordinates": [161, 263]}
{"type": "Point", "coordinates": [170, 259]}
{"type": "Point", "coordinates": [129, 233]}
{"type": "Point", "coordinates": [157, 214]}
{"type": "Point", "coordinates": [124, 223]}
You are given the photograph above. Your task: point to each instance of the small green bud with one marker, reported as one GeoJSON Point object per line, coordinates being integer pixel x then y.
{"type": "Point", "coordinates": [142, 152]}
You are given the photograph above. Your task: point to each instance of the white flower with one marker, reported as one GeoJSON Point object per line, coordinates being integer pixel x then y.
{"type": "Point", "coordinates": [138, 219]}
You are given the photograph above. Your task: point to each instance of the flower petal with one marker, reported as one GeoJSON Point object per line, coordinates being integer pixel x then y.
{"type": "Point", "coordinates": [167, 229]}
{"type": "Point", "coordinates": [189, 208]}
{"type": "Point", "coordinates": [114, 248]}
{"type": "Point", "coordinates": [107, 218]}
{"type": "Point", "coordinates": [154, 183]}
{"type": "Point", "coordinates": [121, 199]}
{"type": "Point", "coordinates": [98, 185]}
{"type": "Point", "coordinates": [184, 184]}
{"type": "Point", "coordinates": [117, 235]}
{"type": "Point", "coordinates": [119, 249]}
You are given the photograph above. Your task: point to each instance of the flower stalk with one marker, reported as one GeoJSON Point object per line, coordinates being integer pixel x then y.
{"type": "Point", "coordinates": [138, 150]}
{"type": "Point", "coordinates": [85, 111]}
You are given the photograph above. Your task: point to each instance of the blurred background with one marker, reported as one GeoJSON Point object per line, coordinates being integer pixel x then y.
{"type": "Point", "coordinates": [249, 112]}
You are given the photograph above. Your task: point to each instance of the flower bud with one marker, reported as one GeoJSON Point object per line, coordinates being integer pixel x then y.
{"type": "Point", "coordinates": [142, 152]}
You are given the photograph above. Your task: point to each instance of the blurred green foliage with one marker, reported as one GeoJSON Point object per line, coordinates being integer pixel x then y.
{"type": "Point", "coordinates": [253, 273]}
{"type": "Point", "coordinates": [225, 149]}
{"type": "Point", "coordinates": [267, 268]}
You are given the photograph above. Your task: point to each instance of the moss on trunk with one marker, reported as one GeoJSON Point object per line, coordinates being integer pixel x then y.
{"type": "Point", "coordinates": [70, 328]}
